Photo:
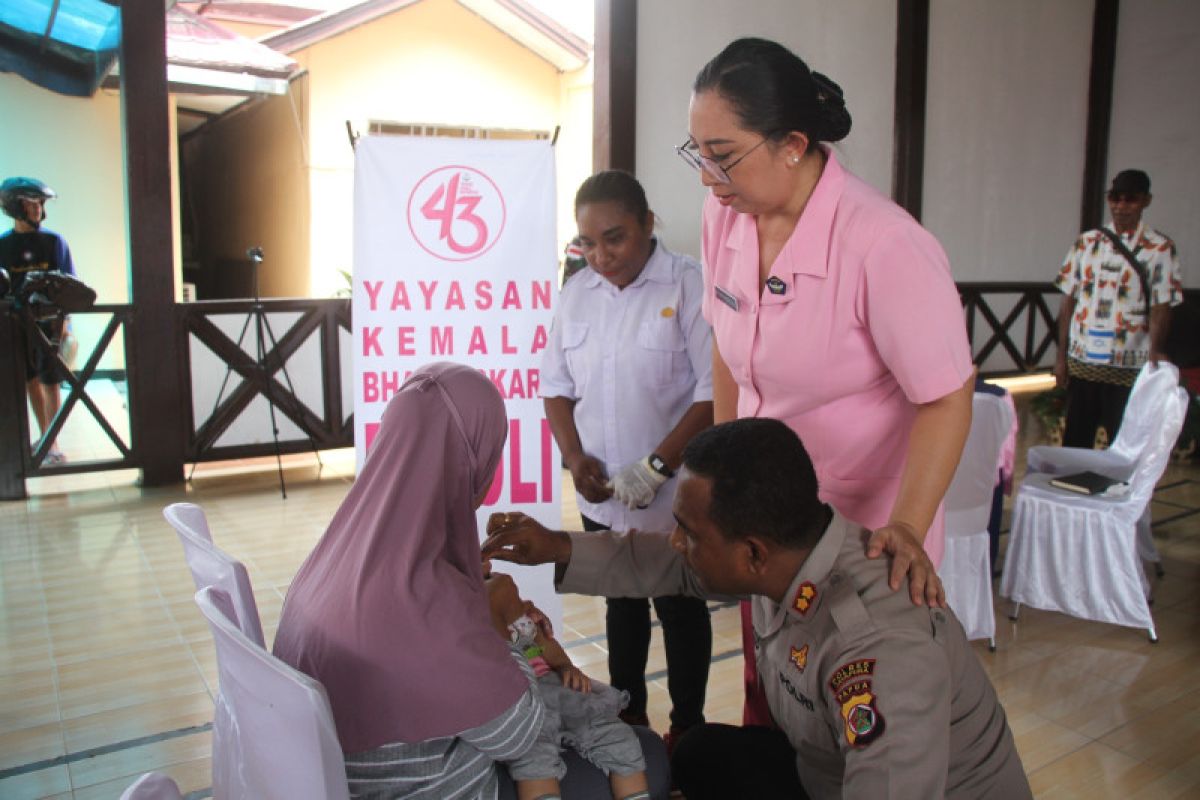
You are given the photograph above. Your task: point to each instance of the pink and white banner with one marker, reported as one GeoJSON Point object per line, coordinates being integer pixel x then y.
{"type": "Point", "coordinates": [455, 260]}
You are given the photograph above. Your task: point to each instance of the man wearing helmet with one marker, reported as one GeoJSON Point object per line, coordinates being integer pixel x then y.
{"type": "Point", "coordinates": [29, 247]}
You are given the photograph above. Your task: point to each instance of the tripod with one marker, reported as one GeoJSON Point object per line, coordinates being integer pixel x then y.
{"type": "Point", "coordinates": [262, 332]}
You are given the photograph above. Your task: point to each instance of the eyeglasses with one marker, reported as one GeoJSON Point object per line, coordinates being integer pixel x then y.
{"type": "Point", "coordinates": [689, 151]}
{"type": "Point", "coordinates": [1124, 197]}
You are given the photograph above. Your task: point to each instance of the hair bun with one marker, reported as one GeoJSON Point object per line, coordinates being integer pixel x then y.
{"type": "Point", "coordinates": [835, 119]}
{"type": "Point", "coordinates": [827, 89]}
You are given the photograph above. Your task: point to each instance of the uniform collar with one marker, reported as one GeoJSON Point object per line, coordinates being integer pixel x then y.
{"type": "Point", "coordinates": [804, 595]}
{"type": "Point", "coordinates": [807, 249]}
{"type": "Point", "coordinates": [657, 270]}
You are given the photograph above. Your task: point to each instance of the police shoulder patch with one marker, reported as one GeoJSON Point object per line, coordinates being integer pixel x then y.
{"type": "Point", "coordinates": [859, 668]}
{"type": "Point", "coordinates": [863, 722]}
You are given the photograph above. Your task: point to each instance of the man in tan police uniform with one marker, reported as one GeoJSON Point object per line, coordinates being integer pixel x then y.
{"type": "Point", "coordinates": [874, 696]}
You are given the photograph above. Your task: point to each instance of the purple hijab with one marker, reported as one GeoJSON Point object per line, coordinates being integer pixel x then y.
{"type": "Point", "coordinates": [389, 611]}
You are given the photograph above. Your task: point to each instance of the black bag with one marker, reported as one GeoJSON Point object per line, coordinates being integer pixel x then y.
{"type": "Point", "coordinates": [1138, 267]}
{"type": "Point", "coordinates": [47, 293]}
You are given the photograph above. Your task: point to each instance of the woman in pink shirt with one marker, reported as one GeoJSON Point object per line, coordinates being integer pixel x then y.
{"type": "Point", "coordinates": [832, 309]}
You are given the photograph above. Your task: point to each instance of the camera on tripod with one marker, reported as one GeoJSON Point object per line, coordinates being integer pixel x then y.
{"type": "Point", "coordinates": [265, 344]}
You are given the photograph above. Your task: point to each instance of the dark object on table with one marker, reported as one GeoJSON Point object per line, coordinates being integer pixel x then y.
{"type": "Point", "coordinates": [1086, 482]}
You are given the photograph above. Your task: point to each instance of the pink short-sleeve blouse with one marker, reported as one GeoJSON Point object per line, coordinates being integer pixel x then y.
{"type": "Point", "coordinates": [859, 321]}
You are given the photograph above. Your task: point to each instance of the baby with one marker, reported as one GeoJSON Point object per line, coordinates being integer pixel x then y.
{"type": "Point", "coordinates": [580, 713]}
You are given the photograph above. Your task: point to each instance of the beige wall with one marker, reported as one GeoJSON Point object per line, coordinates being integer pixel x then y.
{"type": "Point", "coordinates": [1005, 123]}
{"type": "Point", "coordinates": [247, 186]}
{"type": "Point", "coordinates": [851, 41]}
{"type": "Point", "coordinates": [1004, 134]}
{"type": "Point", "coordinates": [574, 148]}
{"type": "Point", "coordinates": [434, 62]}
{"type": "Point", "coordinates": [75, 145]}
{"type": "Point", "coordinates": [1156, 119]}
{"type": "Point", "coordinates": [280, 172]}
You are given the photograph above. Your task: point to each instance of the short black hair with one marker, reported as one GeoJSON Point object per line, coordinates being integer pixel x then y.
{"type": "Point", "coordinates": [614, 186]}
{"type": "Point", "coordinates": [774, 92]}
{"type": "Point", "coordinates": [763, 482]}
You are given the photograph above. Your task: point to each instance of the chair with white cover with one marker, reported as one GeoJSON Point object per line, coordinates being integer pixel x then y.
{"type": "Point", "coordinates": [212, 566]}
{"type": "Point", "coordinates": [153, 786]}
{"type": "Point", "coordinates": [1078, 554]}
{"type": "Point", "coordinates": [278, 740]}
{"type": "Point", "coordinates": [966, 569]}
{"type": "Point", "coordinates": [1138, 425]}
{"type": "Point", "coordinates": [189, 518]}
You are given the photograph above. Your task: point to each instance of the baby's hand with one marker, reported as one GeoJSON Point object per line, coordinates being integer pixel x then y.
{"type": "Point", "coordinates": [572, 678]}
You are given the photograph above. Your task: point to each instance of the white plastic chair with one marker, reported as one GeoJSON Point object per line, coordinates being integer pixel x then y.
{"type": "Point", "coordinates": [153, 786]}
{"type": "Point", "coordinates": [189, 518]}
{"type": "Point", "coordinates": [1078, 554]}
{"type": "Point", "coordinates": [1138, 425]}
{"type": "Point", "coordinates": [212, 566]}
{"type": "Point", "coordinates": [966, 571]}
{"type": "Point", "coordinates": [273, 731]}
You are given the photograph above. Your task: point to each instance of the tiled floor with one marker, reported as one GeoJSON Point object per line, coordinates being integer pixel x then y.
{"type": "Point", "coordinates": [107, 670]}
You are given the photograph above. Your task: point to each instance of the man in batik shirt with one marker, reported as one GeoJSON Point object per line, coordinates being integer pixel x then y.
{"type": "Point", "coordinates": [1114, 314]}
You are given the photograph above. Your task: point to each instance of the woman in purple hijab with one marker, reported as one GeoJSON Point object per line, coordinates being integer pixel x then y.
{"type": "Point", "coordinates": [391, 611]}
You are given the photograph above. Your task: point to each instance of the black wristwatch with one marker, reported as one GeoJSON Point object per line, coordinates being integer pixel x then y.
{"type": "Point", "coordinates": [658, 465]}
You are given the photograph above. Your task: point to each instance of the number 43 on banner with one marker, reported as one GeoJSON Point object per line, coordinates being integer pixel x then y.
{"type": "Point", "coordinates": [467, 209]}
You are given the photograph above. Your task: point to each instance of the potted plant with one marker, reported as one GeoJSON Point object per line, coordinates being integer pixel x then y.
{"type": "Point", "coordinates": [1050, 409]}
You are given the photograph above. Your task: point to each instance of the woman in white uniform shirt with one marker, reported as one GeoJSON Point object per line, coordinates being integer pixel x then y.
{"type": "Point", "coordinates": [627, 381]}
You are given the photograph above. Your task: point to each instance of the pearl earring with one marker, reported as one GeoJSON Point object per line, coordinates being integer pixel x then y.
{"type": "Point", "coordinates": [795, 159]}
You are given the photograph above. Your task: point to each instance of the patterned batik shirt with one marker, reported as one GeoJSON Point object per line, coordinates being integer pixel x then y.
{"type": "Point", "coordinates": [1110, 326]}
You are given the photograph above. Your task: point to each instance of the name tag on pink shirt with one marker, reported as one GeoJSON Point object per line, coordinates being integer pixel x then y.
{"type": "Point", "coordinates": [725, 297]}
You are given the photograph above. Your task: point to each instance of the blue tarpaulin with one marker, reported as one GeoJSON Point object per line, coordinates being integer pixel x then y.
{"type": "Point", "coordinates": [67, 46]}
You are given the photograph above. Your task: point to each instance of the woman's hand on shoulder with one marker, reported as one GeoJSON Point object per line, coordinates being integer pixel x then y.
{"type": "Point", "coordinates": [900, 541]}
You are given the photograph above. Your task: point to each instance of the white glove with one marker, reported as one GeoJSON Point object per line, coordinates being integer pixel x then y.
{"type": "Point", "coordinates": [636, 485]}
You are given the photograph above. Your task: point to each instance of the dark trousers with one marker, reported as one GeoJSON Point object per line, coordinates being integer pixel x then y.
{"type": "Point", "coordinates": [994, 517]}
{"type": "Point", "coordinates": [1091, 404]}
{"type": "Point", "coordinates": [687, 637]}
{"type": "Point", "coordinates": [728, 762]}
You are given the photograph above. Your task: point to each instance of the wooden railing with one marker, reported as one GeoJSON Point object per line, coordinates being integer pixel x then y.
{"type": "Point", "coordinates": [1011, 326]}
{"type": "Point", "coordinates": [305, 342]}
{"type": "Point", "coordinates": [19, 460]}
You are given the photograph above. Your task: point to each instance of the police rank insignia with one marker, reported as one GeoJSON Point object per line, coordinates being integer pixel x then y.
{"type": "Point", "coordinates": [806, 595]}
{"type": "Point", "coordinates": [775, 285]}
{"type": "Point", "coordinates": [800, 657]}
{"type": "Point", "coordinates": [854, 694]}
